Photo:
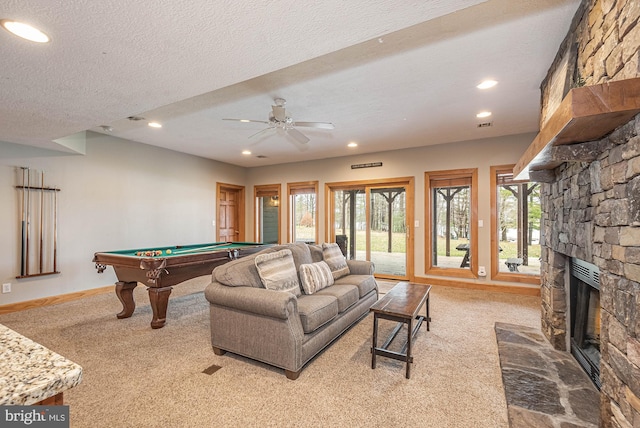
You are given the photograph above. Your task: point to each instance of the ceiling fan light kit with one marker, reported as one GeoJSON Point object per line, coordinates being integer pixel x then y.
{"type": "Point", "coordinates": [279, 120]}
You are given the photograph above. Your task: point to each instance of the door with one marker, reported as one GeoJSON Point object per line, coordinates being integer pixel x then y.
{"type": "Point", "coordinates": [230, 218]}
{"type": "Point", "coordinates": [388, 230]}
{"type": "Point", "coordinates": [370, 222]}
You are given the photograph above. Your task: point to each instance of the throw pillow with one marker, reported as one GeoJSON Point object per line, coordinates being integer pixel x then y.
{"type": "Point", "coordinates": [315, 276]}
{"type": "Point", "coordinates": [335, 259]}
{"type": "Point", "coordinates": [278, 272]}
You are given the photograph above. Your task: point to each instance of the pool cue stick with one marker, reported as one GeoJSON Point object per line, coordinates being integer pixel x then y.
{"type": "Point", "coordinates": [55, 230]}
{"type": "Point", "coordinates": [28, 218]}
{"type": "Point", "coordinates": [41, 217]}
{"type": "Point", "coordinates": [24, 221]}
{"type": "Point", "coordinates": [210, 247]}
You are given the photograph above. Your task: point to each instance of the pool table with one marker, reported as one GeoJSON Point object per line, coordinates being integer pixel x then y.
{"type": "Point", "coordinates": [161, 267]}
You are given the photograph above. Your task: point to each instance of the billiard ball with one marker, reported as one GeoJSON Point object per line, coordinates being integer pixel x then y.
{"type": "Point", "coordinates": [158, 252]}
{"type": "Point", "coordinates": [168, 251]}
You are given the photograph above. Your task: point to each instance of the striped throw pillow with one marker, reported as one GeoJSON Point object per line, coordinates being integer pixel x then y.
{"type": "Point", "coordinates": [315, 276]}
{"type": "Point", "coordinates": [335, 259]}
{"type": "Point", "coordinates": [278, 272]}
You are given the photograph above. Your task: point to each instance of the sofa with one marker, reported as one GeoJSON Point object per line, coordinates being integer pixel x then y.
{"type": "Point", "coordinates": [285, 304]}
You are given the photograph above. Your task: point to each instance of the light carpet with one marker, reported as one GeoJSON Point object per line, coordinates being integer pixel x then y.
{"type": "Point", "coordinates": [138, 377]}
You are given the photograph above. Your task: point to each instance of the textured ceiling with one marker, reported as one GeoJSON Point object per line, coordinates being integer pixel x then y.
{"type": "Point", "coordinates": [388, 74]}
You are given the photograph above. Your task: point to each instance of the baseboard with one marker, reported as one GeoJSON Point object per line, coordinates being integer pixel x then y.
{"type": "Point", "coordinates": [461, 283]}
{"type": "Point", "coordinates": [53, 300]}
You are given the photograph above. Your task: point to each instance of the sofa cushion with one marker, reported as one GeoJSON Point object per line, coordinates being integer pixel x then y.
{"type": "Point", "coordinates": [365, 283]}
{"type": "Point", "coordinates": [240, 273]}
{"type": "Point", "coordinates": [316, 310]}
{"type": "Point", "coordinates": [346, 294]}
{"type": "Point", "coordinates": [361, 267]}
{"type": "Point", "coordinates": [300, 252]}
{"type": "Point", "coordinates": [316, 252]}
{"type": "Point", "coordinates": [315, 276]}
{"type": "Point", "coordinates": [278, 272]}
{"type": "Point", "coordinates": [335, 259]}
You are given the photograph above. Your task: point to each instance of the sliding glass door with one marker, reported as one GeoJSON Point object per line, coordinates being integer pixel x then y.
{"type": "Point", "coordinates": [388, 230]}
{"type": "Point", "coordinates": [370, 222]}
{"type": "Point", "coordinates": [350, 222]}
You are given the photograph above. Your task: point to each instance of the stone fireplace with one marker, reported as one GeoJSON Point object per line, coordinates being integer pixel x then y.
{"type": "Point", "coordinates": [590, 150]}
{"type": "Point", "coordinates": [591, 213]}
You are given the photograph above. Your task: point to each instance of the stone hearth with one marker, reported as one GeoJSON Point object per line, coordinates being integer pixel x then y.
{"type": "Point", "coordinates": [543, 387]}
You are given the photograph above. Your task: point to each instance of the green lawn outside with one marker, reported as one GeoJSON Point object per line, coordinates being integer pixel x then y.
{"type": "Point", "coordinates": [379, 244]}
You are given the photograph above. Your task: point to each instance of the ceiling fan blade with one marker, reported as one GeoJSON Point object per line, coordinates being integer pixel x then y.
{"type": "Point", "coordinates": [278, 113]}
{"type": "Point", "coordinates": [260, 132]}
{"type": "Point", "coordinates": [298, 136]}
{"type": "Point", "coordinates": [321, 125]}
{"type": "Point", "coordinates": [248, 120]}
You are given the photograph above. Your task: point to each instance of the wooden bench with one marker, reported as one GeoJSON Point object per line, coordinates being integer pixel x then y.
{"type": "Point", "coordinates": [402, 304]}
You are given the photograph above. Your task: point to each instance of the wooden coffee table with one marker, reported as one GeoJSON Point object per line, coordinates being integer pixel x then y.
{"type": "Point", "coordinates": [402, 304]}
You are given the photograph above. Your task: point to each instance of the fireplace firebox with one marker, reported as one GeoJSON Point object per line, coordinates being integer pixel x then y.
{"type": "Point", "coordinates": [585, 317]}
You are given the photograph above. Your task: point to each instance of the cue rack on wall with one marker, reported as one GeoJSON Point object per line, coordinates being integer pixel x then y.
{"type": "Point", "coordinates": [38, 225]}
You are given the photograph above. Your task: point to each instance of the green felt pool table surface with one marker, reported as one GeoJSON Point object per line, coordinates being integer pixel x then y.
{"type": "Point", "coordinates": [179, 250]}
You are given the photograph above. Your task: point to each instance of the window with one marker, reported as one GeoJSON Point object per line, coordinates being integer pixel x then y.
{"type": "Point", "coordinates": [303, 211]}
{"type": "Point", "coordinates": [451, 209]}
{"type": "Point", "coordinates": [515, 227]}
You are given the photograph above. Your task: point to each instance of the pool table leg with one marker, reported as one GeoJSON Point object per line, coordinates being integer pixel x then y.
{"type": "Point", "coordinates": [124, 291]}
{"type": "Point", "coordinates": [159, 298]}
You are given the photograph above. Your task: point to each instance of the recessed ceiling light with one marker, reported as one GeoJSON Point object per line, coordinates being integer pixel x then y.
{"type": "Point", "coordinates": [487, 84]}
{"type": "Point", "coordinates": [483, 114]}
{"type": "Point", "coordinates": [25, 31]}
{"type": "Point", "coordinates": [245, 120]}
{"type": "Point", "coordinates": [246, 152]}
{"type": "Point", "coordinates": [352, 144]}
{"type": "Point", "coordinates": [155, 125]}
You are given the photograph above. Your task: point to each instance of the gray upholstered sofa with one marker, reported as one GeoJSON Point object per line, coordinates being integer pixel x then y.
{"type": "Point", "coordinates": [277, 327]}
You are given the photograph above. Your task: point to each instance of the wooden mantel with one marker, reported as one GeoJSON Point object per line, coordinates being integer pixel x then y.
{"type": "Point", "coordinates": [585, 114]}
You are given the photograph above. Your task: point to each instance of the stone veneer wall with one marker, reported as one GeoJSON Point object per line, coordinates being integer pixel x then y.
{"type": "Point", "coordinates": [592, 210]}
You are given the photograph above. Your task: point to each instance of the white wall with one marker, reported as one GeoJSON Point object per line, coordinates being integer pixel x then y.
{"type": "Point", "coordinates": [479, 154]}
{"type": "Point", "coordinates": [119, 195]}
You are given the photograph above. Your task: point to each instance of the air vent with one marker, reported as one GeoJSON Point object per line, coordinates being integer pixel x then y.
{"type": "Point", "coordinates": [485, 124]}
{"type": "Point", "coordinates": [586, 272]}
{"type": "Point", "coordinates": [261, 157]}
{"type": "Point", "coordinates": [135, 118]}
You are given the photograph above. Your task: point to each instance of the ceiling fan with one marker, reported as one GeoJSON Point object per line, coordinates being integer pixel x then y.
{"type": "Point", "coordinates": [278, 119]}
